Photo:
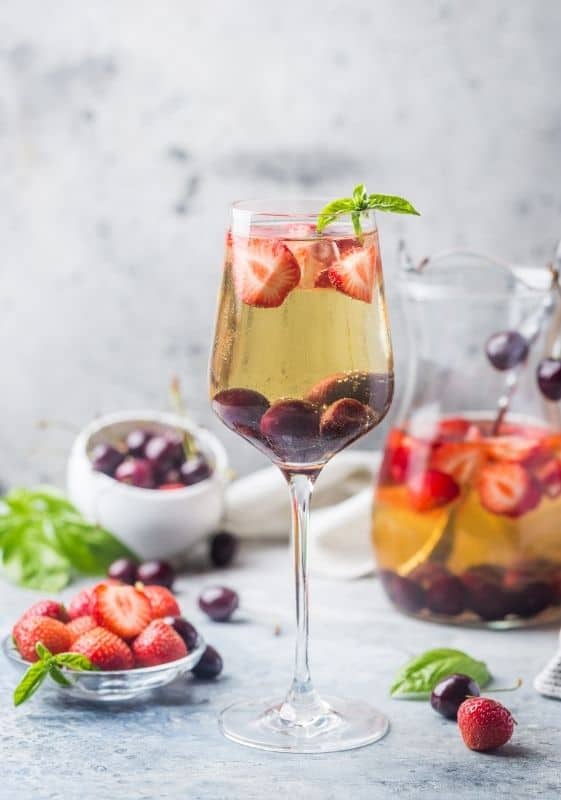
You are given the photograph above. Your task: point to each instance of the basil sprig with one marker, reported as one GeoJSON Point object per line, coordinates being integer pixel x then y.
{"type": "Point", "coordinates": [44, 540]}
{"type": "Point", "coordinates": [48, 664]}
{"type": "Point", "coordinates": [360, 202]}
{"type": "Point", "coordinates": [417, 679]}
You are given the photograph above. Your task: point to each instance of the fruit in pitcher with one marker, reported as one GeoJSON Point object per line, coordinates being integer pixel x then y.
{"type": "Point", "coordinates": [264, 270]}
{"type": "Point", "coordinates": [159, 643]}
{"type": "Point", "coordinates": [508, 489]}
{"type": "Point", "coordinates": [484, 724]}
{"type": "Point", "coordinates": [105, 649]}
{"type": "Point", "coordinates": [50, 632]}
{"type": "Point", "coordinates": [485, 595]}
{"type": "Point", "coordinates": [461, 460]}
{"type": "Point", "coordinates": [549, 378]}
{"type": "Point", "coordinates": [445, 595]}
{"type": "Point", "coordinates": [431, 489]}
{"type": "Point", "coordinates": [402, 591]}
{"type": "Point", "coordinates": [121, 609]}
{"type": "Point", "coordinates": [506, 349]}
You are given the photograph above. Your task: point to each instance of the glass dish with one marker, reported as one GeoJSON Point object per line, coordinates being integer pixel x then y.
{"type": "Point", "coordinates": [116, 686]}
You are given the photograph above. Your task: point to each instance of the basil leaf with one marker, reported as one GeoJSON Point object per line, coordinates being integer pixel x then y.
{"type": "Point", "coordinates": [30, 682]}
{"type": "Point", "coordinates": [57, 676]}
{"type": "Point", "coordinates": [89, 548]}
{"type": "Point", "coordinates": [74, 661]}
{"type": "Point", "coordinates": [30, 559]}
{"type": "Point", "coordinates": [42, 651]}
{"type": "Point", "coordinates": [360, 198]}
{"type": "Point", "coordinates": [417, 679]}
{"type": "Point", "coordinates": [388, 202]}
{"type": "Point", "coordinates": [331, 211]}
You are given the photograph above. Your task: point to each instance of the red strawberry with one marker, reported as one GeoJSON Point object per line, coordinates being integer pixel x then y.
{"type": "Point", "coordinates": [166, 487]}
{"type": "Point", "coordinates": [162, 601]}
{"type": "Point", "coordinates": [50, 632]}
{"type": "Point", "coordinates": [461, 460]}
{"type": "Point", "coordinates": [507, 489]}
{"type": "Point", "coordinates": [104, 649]}
{"type": "Point", "coordinates": [432, 489]}
{"type": "Point", "coordinates": [47, 608]}
{"type": "Point", "coordinates": [158, 644]}
{"type": "Point", "coordinates": [314, 256]}
{"type": "Point", "coordinates": [265, 272]}
{"type": "Point", "coordinates": [511, 448]}
{"type": "Point", "coordinates": [453, 429]}
{"type": "Point", "coordinates": [121, 609]}
{"type": "Point", "coordinates": [484, 723]}
{"type": "Point", "coordinates": [548, 475]}
{"type": "Point", "coordinates": [354, 272]}
{"type": "Point", "coordinates": [81, 605]}
{"type": "Point", "coordinates": [79, 626]}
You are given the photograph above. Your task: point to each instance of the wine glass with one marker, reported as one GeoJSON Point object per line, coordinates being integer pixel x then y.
{"type": "Point", "coordinates": [301, 367]}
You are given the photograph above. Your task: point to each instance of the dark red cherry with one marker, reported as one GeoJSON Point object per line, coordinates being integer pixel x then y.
{"type": "Point", "coordinates": [137, 440]}
{"type": "Point", "coordinates": [184, 628]}
{"type": "Point", "coordinates": [156, 572]}
{"type": "Point", "coordinates": [124, 569]}
{"type": "Point", "coordinates": [346, 418]}
{"type": "Point", "coordinates": [223, 548]}
{"type": "Point", "coordinates": [136, 472]}
{"type": "Point", "coordinates": [291, 427]}
{"type": "Point", "coordinates": [403, 592]}
{"type": "Point", "coordinates": [506, 349]}
{"type": "Point", "coordinates": [164, 451]}
{"type": "Point", "coordinates": [449, 694]}
{"type": "Point", "coordinates": [106, 458]}
{"type": "Point", "coordinates": [241, 409]}
{"type": "Point", "coordinates": [194, 470]}
{"type": "Point", "coordinates": [445, 595]}
{"type": "Point", "coordinates": [218, 602]}
{"type": "Point", "coordinates": [210, 666]}
{"type": "Point", "coordinates": [549, 378]}
{"type": "Point", "coordinates": [485, 596]}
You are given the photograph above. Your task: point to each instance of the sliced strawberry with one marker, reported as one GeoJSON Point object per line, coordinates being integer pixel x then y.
{"type": "Point", "coordinates": [511, 448]}
{"type": "Point", "coordinates": [548, 475]}
{"type": "Point", "coordinates": [432, 489]}
{"type": "Point", "coordinates": [461, 460]}
{"type": "Point", "coordinates": [354, 273]}
{"type": "Point", "coordinates": [162, 601]}
{"type": "Point", "coordinates": [121, 609]}
{"type": "Point", "coordinates": [507, 489]}
{"type": "Point", "coordinates": [265, 271]}
{"type": "Point", "coordinates": [313, 254]}
{"type": "Point", "coordinates": [453, 429]}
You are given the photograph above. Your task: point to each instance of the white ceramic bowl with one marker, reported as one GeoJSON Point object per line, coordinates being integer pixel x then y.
{"type": "Point", "coordinates": [153, 523]}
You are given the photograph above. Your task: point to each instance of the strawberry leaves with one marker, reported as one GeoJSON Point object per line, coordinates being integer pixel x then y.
{"type": "Point", "coordinates": [359, 203]}
{"type": "Point", "coordinates": [48, 665]}
{"type": "Point", "coordinates": [44, 539]}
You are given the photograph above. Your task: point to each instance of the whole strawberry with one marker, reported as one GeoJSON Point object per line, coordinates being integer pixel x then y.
{"type": "Point", "coordinates": [158, 644]}
{"type": "Point", "coordinates": [47, 608]}
{"type": "Point", "coordinates": [50, 632]}
{"type": "Point", "coordinates": [484, 723]}
{"type": "Point", "coordinates": [162, 602]}
{"type": "Point", "coordinates": [104, 649]}
{"type": "Point", "coordinates": [80, 625]}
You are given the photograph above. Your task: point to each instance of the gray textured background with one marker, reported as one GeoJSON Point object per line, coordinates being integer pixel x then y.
{"type": "Point", "coordinates": [126, 128]}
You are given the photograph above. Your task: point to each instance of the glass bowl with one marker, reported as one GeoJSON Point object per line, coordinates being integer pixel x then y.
{"type": "Point", "coordinates": [113, 686]}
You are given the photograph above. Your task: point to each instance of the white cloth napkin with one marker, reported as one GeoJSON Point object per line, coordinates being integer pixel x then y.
{"type": "Point", "coordinates": [258, 507]}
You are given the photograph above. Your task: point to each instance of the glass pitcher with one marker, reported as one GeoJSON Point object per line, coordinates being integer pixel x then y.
{"type": "Point", "coordinates": [467, 512]}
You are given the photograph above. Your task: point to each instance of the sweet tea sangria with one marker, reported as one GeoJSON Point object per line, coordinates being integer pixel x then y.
{"type": "Point", "coordinates": [467, 513]}
{"type": "Point", "coordinates": [302, 366]}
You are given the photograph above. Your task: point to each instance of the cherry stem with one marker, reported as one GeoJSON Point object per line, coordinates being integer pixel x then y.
{"type": "Point", "coordinates": [516, 686]}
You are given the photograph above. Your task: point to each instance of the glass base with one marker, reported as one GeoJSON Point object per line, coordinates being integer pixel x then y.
{"type": "Point", "coordinates": [346, 724]}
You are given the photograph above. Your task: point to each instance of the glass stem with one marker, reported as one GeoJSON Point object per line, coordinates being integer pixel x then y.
{"type": "Point", "coordinates": [302, 705]}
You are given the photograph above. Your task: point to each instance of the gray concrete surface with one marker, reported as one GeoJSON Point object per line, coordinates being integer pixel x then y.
{"type": "Point", "coordinates": [170, 748]}
{"type": "Point", "coordinates": [126, 129]}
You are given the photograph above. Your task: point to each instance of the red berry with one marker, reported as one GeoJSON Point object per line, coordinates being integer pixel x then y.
{"type": "Point", "coordinates": [136, 472]}
{"type": "Point", "coordinates": [158, 644]}
{"type": "Point", "coordinates": [167, 487]}
{"type": "Point", "coordinates": [461, 460]}
{"type": "Point", "coordinates": [162, 602]}
{"type": "Point", "coordinates": [432, 489]}
{"type": "Point", "coordinates": [50, 632]}
{"type": "Point", "coordinates": [240, 409]}
{"type": "Point", "coordinates": [79, 626]}
{"type": "Point", "coordinates": [121, 609]}
{"type": "Point", "coordinates": [104, 649]}
{"type": "Point", "coordinates": [346, 418]}
{"type": "Point", "coordinates": [291, 427]}
{"type": "Point", "coordinates": [446, 596]}
{"type": "Point", "coordinates": [47, 608]}
{"type": "Point", "coordinates": [484, 724]}
{"type": "Point", "coordinates": [403, 592]}
{"type": "Point", "coordinates": [507, 489]}
{"type": "Point", "coordinates": [354, 273]}
{"type": "Point", "coordinates": [264, 270]}
{"type": "Point", "coordinates": [81, 605]}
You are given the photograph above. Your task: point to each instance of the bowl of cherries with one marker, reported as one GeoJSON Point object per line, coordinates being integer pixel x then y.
{"type": "Point", "coordinates": [154, 479]}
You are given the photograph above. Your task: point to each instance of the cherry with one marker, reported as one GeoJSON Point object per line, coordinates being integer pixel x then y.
{"type": "Point", "coordinates": [485, 596]}
{"type": "Point", "coordinates": [184, 628]}
{"type": "Point", "coordinates": [123, 569]}
{"type": "Point", "coordinates": [156, 572]}
{"type": "Point", "coordinates": [223, 547]}
{"type": "Point", "coordinates": [506, 349]}
{"type": "Point", "coordinates": [218, 602]}
{"type": "Point", "coordinates": [164, 451]}
{"type": "Point", "coordinates": [136, 472]}
{"type": "Point", "coordinates": [210, 665]}
{"type": "Point", "coordinates": [446, 595]}
{"type": "Point", "coordinates": [372, 389]}
{"type": "Point", "coordinates": [345, 418]}
{"type": "Point", "coordinates": [530, 599]}
{"type": "Point", "coordinates": [137, 440]}
{"type": "Point", "coordinates": [426, 573]}
{"type": "Point", "coordinates": [403, 592]}
{"type": "Point", "coordinates": [194, 470]}
{"type": "Point", "coordinates": [241, 409]}
{"type": "Point", "coordinates": [291, 427]}
{"type": "Point", "coordinates": [449, 694]}
{"type": "Point", "coordinates": [106, 458]}
{"type": "Point", "coordinates": [549, 378]}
